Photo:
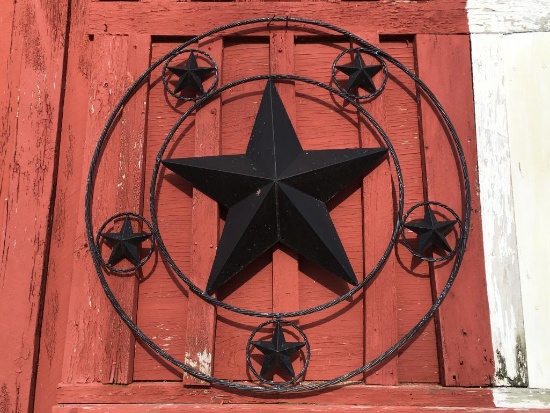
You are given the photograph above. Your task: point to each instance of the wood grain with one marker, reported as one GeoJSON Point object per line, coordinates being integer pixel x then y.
{"type": "Point", "coordinates": [98, 343]}
{"type": "Point", "coordinates": [498, 218]}
{"type": "Point", "coordinates": [403, 395]}
{"type": "Point", "coordinates": [466, 348]}
{"type": "Point", "coordinates": [32, 45]}
{"type": "Point", "coordinates": [378, 223]}
{"type": "Point", "coordinates": [443, 16]}
{"type": "Point", "coordinates": [201, 316]}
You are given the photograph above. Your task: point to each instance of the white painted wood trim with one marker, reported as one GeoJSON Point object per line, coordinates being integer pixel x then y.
{"type": "Point", "coordinates": [508, 16]}
{"type": "Point", "coordinates": [521, 398]}
{"type": "Point", "coordinates": [527, 61]}
{"type": "Point", "coordinates": [497, 211]}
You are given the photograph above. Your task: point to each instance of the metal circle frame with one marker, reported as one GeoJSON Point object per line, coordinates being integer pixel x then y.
{"type": "Point", "coordinates": [143, 260]}
{"type": "Point", "coordinates": [288, 314]}
{"type": "Point", "coordinates": [405, 242]}
{"type": "Point", "coordinates": [310, 386]}
{"type": "Point", "coordinates": [306, 359]}
{"type": "Point", "coordinates": [372, 53]}
{"type": "Point", "coordinates": [178, 53]}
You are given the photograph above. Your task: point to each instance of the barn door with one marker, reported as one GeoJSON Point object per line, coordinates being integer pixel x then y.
{"type": "Point", "coordinates": [87, 344]}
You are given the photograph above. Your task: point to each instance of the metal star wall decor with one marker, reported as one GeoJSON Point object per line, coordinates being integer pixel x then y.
{"type": "Point", "coordinates": [360, 75]}
{"type": "Point", "coordinates": [190, 75]}
{"type": "Point", "coordinates": [125, 243]}
{"type": "Point", "coordinates": [278, 353]}
{"type": "Point", "coordinates": [276, 192]}
{"type": "Point", "coordinates": [431, 232]}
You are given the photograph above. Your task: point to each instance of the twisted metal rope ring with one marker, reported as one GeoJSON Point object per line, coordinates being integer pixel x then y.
{"type": "Point", "coordinates": [420, 256]}
{"type": "Point", "coordinates": [305, 387]}
{"type": "Point", "coordinates": [306, 358]}
{"type": "Point", "coordinates": [370, 52]}
{"type": "Point", "coordinates": [174, 54]}
{"type": "Point", "coordinates": [143, 260]}
{"type": "Point", "coordinates": [290, 314]}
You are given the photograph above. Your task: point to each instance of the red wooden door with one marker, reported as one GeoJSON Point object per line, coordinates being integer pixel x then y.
{"type": "Point", "coordinates": [87, 346]}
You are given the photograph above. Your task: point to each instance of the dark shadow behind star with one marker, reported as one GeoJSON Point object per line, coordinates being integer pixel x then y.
{"type": "Point", "coordinates": [431, 233]}
{"type": "Point", "coordinates": [277, 192]}
{"type": "Point", "coordinates": [278, 354]}
{"type": "Point", "coordinates": [125, 243]}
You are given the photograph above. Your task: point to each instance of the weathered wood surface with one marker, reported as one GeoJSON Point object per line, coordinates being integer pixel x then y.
{"type": "Point", "coordinates": [444, 16]}
{"type": "Point", "coordinates": [380, 297]}
{"type": "Point", "coordinates": [201, 316]}
{"type": "Point", "coordinates": [466, 348]}
{"type": "Point", "coordinates": [64, 220]}
{"type": "Point", "coordinates": [404, 395]}
{"type": "Point", "coordinates": [98, 344]}
{"type": "Point", "coordinates": [508, 16]}
{"type": "Point", "coordinates": [32, 45]}
{"type": "Point", "coordinates": [490, 75]}
{"type": "Point", "coordinates": [527, 63]}
{"type": "Point", "coordinates": [135, 408]}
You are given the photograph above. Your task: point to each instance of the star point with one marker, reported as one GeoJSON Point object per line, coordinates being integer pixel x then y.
{"type": "Point", "coordinates": [276, 193]}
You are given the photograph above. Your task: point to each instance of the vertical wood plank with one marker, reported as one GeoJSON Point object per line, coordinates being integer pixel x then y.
{"type": "Point", "coordinates": [465, 340]}
{"type": "Point", "coordinates": [64, 219]}
{"type": "Point", "coordinates": [32, 52]}
{"type": "Point", "coordinates": [527, 63]}
{"type": "Point", "coordinates": [201, 316]}
{"type": "Point", "coordinates": [499, 224]}
{"type": "Point", "coordinates": [99, 345]}
{"type": "Point", "coordinates": [378, 221]}
{"type": "Point", "coordinates": [285, 261]}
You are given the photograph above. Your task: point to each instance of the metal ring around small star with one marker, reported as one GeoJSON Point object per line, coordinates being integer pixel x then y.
{"type": "Point", "coordinates": [306, 358]}
{"type": "Point", "coordinates": [178, 53]}
{"type": "Point", "coordinates": [143, 260]}
{"type": "Point", "coordinates": [459, 242]}
{"type": "Point", "coordinates": [105, 134]}
{"type": "Point", "coordinates": [371, 52]}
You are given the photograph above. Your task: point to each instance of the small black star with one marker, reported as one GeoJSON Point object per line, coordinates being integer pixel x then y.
{"type": "Point", "coordinates": [277, 192]}
{"type": "Point", "coordinates": [359, 74]}
{"type": "Point", "coordinates": [431, 232]}
{"type": "Point", "coordinates": [277, 353]}
{"type": "Point", "coordinates": [190, 75]}
{"type": "Point", "coordinates": [125, 243]}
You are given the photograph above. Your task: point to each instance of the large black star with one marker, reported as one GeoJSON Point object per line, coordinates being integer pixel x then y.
{"type": "Point", "coordinates": [278, 353]}
{"type": "Point", "coordinates": [431, 232]}
{"type": "Point", "coordinates": [360, 74]}
{"type": "Point", "coordinates": [125, 243]}
{"type": "Point", "coordinates": [190, 75]}
{"type": "Point", "coordinates": [276, 192]}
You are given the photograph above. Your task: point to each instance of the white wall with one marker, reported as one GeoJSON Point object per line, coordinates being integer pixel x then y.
{"type": "Point", "coordinates": [511, 71]}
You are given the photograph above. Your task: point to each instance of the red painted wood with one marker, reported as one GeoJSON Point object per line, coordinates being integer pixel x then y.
{"type": "Point", "coordinates": [98, 344]}
{"type": "Point", "coordinates": [64, 220]}
{"type": "Point", "coordinates": [442, 16]}
{"type": "Point", "coordinates": [403, 395]}
{"type": "Point", "coordinates": [162, 303]}
{"type": "Point", "coordinates": [418, 362]}
{"type": "Point", "coordinates": [466, 348]}
{"type": "Point", "coordinates": [272, 408]}
{"type": "Point", "coordinates": [378, 222]}
{"type": "Point", "coordinates": [32, 45]}
{"type": "Point", "coordinates": [201, 316]}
